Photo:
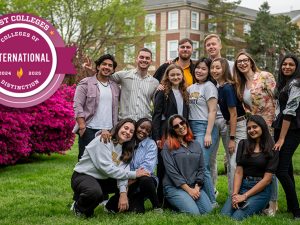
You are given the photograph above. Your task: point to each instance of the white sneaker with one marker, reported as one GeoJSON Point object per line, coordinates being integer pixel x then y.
{"type": "Point", "coordinates": [103, 202]}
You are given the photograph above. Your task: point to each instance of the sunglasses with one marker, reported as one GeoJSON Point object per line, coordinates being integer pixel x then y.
{"type": "Point", "coordinates": [182, 123]}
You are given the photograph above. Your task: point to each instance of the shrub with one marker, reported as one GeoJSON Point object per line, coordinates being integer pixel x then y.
{"type": "Point", "coordinates": [44, 128]}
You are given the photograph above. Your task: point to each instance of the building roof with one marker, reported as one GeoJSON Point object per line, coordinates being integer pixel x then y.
{"type": "Point", "coordinates": [162, 4]}
{"type": "Point", "coordinates": [294, 15]}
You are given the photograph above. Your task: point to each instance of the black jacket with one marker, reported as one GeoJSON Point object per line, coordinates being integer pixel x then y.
{"type": "Point", "coordinates": [165, 105]}
{"type": "Point", "coordinates": [159, 73]}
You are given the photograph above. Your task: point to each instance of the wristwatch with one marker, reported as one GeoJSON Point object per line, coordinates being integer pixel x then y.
{"type": "Point", "coordinates": [232, 137]}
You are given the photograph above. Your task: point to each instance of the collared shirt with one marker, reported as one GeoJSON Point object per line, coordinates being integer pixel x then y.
{"type": "Point", "coordinates": [183, 165]}
{"type": "Point", "coordinates": [145, 156]}
{"type": "Point", "coordinates": [262, 96]}
{"type": "Point", "coordinates": [136, 94]}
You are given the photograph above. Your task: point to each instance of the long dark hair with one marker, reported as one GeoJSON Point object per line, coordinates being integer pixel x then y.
{"type": "Point", "coordinates": [207, 62]}
{"type": "Point", "coordinates": [284, 81]}
{"type": "Point", "coordinates": [226, 70]}
{"type": "Point", "coordinates": [171, 136]}
{"type": "Point", "coordinates": [266, 142]}
{"type": "Point", "coordinates": [128, 146]}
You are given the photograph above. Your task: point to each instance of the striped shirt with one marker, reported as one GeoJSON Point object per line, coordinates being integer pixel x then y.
{"type": "Point", "coordinates": [145, 156]}
{"type": "Point", "coordinates": [136, 94]}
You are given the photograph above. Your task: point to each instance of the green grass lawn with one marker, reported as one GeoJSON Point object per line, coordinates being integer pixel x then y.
{"type": "Point", "coordinates": [37, 191]}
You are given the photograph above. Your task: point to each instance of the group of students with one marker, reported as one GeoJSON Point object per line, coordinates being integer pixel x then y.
{"type": "Point", "coordinates": [182, 135]}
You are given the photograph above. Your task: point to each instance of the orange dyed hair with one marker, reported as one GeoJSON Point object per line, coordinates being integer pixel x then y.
{"type": "Point", "coordinates": [171, 138]}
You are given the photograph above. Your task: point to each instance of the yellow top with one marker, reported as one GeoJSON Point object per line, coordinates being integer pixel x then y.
{"type": "Point", "coordinates": [187, 75]}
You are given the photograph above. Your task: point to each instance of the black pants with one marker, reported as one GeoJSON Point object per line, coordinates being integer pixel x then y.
{"type": "Point", "coordinates": [285, 172]}
{"type": "Point", "coordinates": [160, 174]}
{"type": "Point", "coordinates": [89, 192]}
{"type": "Point", "coordinates": [138, 192]}
{"type": "Point", "coordinates": [86, 138]}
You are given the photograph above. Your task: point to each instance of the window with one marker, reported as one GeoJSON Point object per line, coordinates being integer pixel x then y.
{"type": "Point", "coordinates": [130, 23]}
{"type": "Point", "coordinates": [212, 27]}
{"type": "Point", "coordinates": [172, 49]}
{"type": "Point", "coordinates": [110, 50]}
{"type": "Point", "coordinates": [230, 52]}
{"type": "Point", "coordinates": [150, 22]}
{"type": "Point", "coordinates": [173, 20]}
{"type": "Point", "coordinates": [195, 54]}
{"type": "Point", "coordinates": [230, 29]}
{"type": "Point", "coordinates": [195, 21]}
{"type": "Point", "coordinates": [151, 46]}
{"type": "Point", "coordinates": [247, 28]}
{"type": "Point", "coordinates": [129, 51]}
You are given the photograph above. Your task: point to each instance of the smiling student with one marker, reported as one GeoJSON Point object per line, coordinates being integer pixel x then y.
{"type": "Point", "coordinates": [172, 100]}
{"type": "Point", "coordinates": [256, 163]}
{"type": "Point", "coordinates": [104, 169]}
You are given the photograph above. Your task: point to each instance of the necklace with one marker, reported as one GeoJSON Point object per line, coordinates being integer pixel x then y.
{"type": "Point", "coordinates": [103, 84]}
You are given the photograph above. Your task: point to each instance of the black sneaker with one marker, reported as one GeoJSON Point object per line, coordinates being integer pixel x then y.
{"type": "Point", "coordinates": [75, 210]}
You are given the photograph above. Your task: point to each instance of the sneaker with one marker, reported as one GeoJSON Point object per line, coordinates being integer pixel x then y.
{"type": "Point", "coordinates": [271, 210]}
{"type": "Point", "coordinates": [75, 210]}
{"type": "Point", "coordinates": [103, 203]}
{"type": "Point", "coordinates": [215, 205]}
{"type": "Point", "coordinates": [216, 193]}
{"type": "Point", "coordinates": [158, 210]}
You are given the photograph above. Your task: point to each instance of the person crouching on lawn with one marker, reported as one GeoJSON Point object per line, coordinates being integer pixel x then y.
{"type": "Point", "coordinates": [104, 169]}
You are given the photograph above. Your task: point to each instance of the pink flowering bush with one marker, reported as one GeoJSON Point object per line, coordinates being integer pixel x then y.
{"type": "Point", "coordinates": [45, 128]}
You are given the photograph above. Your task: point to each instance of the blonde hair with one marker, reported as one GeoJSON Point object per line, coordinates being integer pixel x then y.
{"type": "Point", "coordinates": [210, 36]}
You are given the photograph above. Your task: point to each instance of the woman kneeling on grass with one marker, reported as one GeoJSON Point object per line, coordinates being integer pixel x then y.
{"type": "Point", "coordinates": [103, 169]}
{"type": "Point", "coordinates": [144, 156]}
{"type": "Point", "coordinates": [184, 169]}
{"type": "Point", "coordinates": [256, 163]}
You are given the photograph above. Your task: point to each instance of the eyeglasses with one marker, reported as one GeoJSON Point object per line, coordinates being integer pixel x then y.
{"type": "Point", "coordinates": [182, 123]}
{"type": "Point", "coordinates": [242, 61]}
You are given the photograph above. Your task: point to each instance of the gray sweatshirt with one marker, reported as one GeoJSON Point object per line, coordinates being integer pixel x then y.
{"type": "Point", "coordinates": [102, 161]}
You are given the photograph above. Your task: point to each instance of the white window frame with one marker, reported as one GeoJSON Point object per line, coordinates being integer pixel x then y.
{"type": "Point", "coordinates": [195, 22]}
{"type": "Point", "coordinates": [172, 20]}
{"type": "Point", "coordinates": [152, 47]}
{"type": "Point", "coordinates": [150, 22]}
{"type": "Point", "coordinates": [247, 28]}
{"type": "Point", "coordinates": [230, 53]}
{"type": "Point", "coordinates": [212, 27]}
{"type": "Point", "coordinates": [195, 54]}
{"type": "Point", "coordinates": [129, 51]}
{"type": "Point", "coordinates": [230, 29]}
{"type": "Point", "coordinates": [172, 51]}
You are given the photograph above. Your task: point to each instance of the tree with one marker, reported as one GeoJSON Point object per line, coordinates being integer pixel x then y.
{"type": "Point", "coordinates": [91, 25]}
{"type": "Point", "coordinates": [270, 35]}
{"type": "Point", "coordinates": [221, 19]}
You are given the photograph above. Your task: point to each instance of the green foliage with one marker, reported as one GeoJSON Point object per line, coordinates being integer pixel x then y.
{"type": "Point", "coordinates": [271, 35]}
{"type": "Point", "coordinates": [221, 19]}
{"type": "Point", "coordinates": [92, 24]}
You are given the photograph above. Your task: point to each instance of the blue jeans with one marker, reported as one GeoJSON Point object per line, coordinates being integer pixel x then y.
{"type": "Point", "coordinates": [183, 202]}
{"type": "Point", "coordinates": [274, 189]}
{"type": "Point", "coordinates": [240, 134]}
{"type": "Point", "coordinates": [256, 203]}
{"type": "Point", "coordinates": [199, 129]}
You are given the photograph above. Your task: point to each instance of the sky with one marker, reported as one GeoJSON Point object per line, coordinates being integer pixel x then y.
{"type": "Point", "coordinates": [277, 6]}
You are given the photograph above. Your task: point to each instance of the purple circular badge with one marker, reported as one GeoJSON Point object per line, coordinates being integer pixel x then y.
{"type": "Point", "coordinates": [33, 60]}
